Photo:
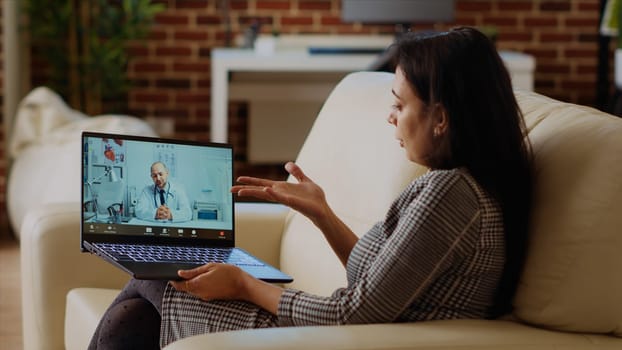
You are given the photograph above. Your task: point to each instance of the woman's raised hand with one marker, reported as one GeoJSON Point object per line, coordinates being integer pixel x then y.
{"type": "Point", "coordinates": [305, 196]}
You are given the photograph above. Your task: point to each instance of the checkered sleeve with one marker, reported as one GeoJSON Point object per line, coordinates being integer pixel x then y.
{"type": "Point", "coordinates": [431, 227]}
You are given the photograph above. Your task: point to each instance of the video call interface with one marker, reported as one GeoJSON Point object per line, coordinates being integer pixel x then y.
{"type": "Point", "coordinates": [145, 188]}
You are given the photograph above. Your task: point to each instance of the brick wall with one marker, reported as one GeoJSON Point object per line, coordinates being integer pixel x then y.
{"type": "Point", "coordinates": [171, 69]}
{"type": "Point", "coordinates": [562, 35]}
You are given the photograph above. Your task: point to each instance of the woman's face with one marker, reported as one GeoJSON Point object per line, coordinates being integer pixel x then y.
{"type": "Point", "coordinates": [414, 126]}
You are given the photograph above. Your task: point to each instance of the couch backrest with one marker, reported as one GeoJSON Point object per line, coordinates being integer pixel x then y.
{"type": "Point", "coordinates": [46, 135]}
{"type": "Point", "coordinates": [352, 153]}
{"type": "Point", "coordinates": [572, 278]}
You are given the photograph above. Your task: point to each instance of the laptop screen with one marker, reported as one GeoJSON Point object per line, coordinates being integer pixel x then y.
{"type": "Point", "coordinates": [150, 187]}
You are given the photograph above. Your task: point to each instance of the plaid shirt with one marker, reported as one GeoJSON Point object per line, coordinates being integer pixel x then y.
{"type": "Point", "coordinates": [438, 254]}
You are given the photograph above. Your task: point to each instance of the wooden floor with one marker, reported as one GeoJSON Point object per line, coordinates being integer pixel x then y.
{"type": "Point", "coordinates": [10, 297]}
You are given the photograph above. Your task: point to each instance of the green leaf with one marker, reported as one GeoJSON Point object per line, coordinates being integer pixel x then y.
{"type": "Point", "coordinates": [103, 63]}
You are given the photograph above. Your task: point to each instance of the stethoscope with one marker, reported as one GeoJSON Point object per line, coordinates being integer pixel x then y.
{"type": "Point", "coordinates": [156, 192]}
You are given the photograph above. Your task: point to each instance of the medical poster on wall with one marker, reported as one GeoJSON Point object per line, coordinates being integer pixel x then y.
{"type": "Point", "coordinates": [113, 150]}
{"type": "Point", "coordinates": [165, 153]}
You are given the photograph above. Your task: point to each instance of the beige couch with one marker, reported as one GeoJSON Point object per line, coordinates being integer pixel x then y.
{"type": "Point", "coordinates": [45, 148]}
{"type": "Point", "coordinates": [570, 296]}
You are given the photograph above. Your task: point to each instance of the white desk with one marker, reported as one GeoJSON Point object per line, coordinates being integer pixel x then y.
{"type": "Point", "coordinates": [296, 59]}
{"type": "Point", "coordinates": [225, 61]}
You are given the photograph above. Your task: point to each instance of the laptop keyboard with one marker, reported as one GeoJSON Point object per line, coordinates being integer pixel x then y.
{"type": "Point", "coordinates": [177, 254]}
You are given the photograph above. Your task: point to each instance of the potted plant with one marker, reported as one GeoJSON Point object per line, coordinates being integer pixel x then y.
{"type": "Point", "coordinates": [84, 45]}
{"type": "Point", "coordinates": [610, 26]}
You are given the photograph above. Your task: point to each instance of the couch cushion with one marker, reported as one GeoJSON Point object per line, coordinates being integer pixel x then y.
{"type": "Point", "coordinates": [433, 335]}
{"type": "Point", "coordinates": [572, 277]}
{"type": "Point", "coordinates": [352, 153]}
{"type": "Point", "coordinates": [84, 309]}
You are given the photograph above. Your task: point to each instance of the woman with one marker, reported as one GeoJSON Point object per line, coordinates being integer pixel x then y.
{"type": "Point", "coordinates": [451, 245]}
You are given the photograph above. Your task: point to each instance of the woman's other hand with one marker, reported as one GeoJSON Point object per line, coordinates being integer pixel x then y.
{"type": "Point", "coordinates": [305, 196]}
{"type": "Point", "coordinates": [228, 282]}
{"type": "Point", "coordinates": [213, 281]}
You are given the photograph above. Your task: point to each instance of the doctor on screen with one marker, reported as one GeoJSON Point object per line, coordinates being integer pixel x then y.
{"type": "Point", "coordinates": [163, 200]}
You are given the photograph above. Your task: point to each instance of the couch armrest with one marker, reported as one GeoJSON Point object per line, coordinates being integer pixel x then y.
{"type": "Point", "coordinates": [258, 229]}
{"type": "Point", "coordinates": [85, 307]}
{"type": "Point", "coordinates": [51, 265]}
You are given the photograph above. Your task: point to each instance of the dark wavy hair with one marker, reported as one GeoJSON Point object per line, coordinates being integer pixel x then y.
{"type": "Point", "coordinates": [462, 71]}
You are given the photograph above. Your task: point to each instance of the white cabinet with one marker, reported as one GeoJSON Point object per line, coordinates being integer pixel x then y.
{"type": "Point", "coordinates": [285, 90]}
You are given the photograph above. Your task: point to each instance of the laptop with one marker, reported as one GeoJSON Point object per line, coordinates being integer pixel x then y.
{"type": "Point", "coordinates": [153, 206]}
